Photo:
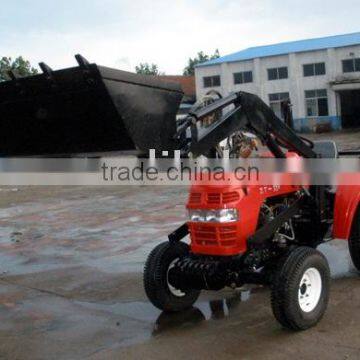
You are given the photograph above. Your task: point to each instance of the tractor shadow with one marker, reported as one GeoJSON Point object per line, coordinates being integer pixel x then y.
{"type": "Point", "coordinates": [215, 309]}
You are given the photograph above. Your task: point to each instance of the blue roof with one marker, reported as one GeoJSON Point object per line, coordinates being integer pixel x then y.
{"type": "Point", "coordinates": [288, 47]}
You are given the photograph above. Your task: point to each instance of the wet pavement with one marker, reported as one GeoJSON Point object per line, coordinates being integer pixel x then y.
{"type": "Point", "coordinates": [71, 286]}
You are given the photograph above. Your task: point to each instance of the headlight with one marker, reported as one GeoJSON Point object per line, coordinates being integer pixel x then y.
{"type": "Point", "coordinates": [197, 215]}
{"type": "Point", "coordinates": [220, 216]}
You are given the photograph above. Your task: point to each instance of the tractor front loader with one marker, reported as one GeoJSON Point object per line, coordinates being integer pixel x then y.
{"type": "Point", "coordinates": [86, 109]}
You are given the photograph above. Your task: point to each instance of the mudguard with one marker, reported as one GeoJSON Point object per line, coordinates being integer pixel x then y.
{"type": "Point", "coordinates": [346, 203]}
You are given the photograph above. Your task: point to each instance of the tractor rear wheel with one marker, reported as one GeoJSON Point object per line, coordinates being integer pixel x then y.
{"type": "Point", "coordinates": [157, 287]}
{"type": "Point", "coordinates": [300, 288]}
{"type": "Point", "coordinates": [354, 240]}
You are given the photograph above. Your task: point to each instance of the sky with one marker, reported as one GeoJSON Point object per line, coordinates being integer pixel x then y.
{"type": "Point", "coordinates": [123, 33]}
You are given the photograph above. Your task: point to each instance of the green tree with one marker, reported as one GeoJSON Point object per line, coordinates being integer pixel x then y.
{"type": "Point", "coordinates": [200, 58]}
{"type": "Point", "coordinates": [19, 65]}
{"type": "Point", "coordinates": [148, 69]}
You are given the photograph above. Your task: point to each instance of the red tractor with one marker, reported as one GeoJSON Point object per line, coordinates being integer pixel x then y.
{"type": "Point", "coordinates": [239, 233]}
{"type": "Point", "coordinates": [254, 234]}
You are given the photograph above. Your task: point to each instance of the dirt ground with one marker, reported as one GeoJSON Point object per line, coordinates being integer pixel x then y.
{"type": "Point", "coordinates": [71, 263]}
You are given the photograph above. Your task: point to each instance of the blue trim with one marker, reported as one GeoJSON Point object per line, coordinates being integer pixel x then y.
{"type": "Point", "coordinates": [309, 124]}
{"type": "Point", "coordinates": [288, 47]}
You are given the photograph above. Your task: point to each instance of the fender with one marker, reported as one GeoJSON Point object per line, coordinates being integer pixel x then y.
{"type": "Point", "coordinates": [346, 203]}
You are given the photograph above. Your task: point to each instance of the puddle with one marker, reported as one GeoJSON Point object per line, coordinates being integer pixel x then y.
{"type": "Point", "coordinates": [138, 321]}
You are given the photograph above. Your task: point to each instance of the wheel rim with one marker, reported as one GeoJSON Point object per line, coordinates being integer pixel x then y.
{"type": "Point", "coordinates": [310, 290]}
{"type": "Point", "coordinates": [173, 290]}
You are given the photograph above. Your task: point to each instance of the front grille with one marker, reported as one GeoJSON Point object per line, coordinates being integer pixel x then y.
{"type": "Point", "coordinates": [220, 235]}
{"type": "Point", "coordinates": [195, 198]}
{"type": "Point", "coordinates": [213, 198]}
{"type": "Point", "coordinates": [204, 235]}
{"type": "Point", "coordinates": [227, 235]}
{"type": "Point", "coordinates": [230, 197]}
{"type": "Point", "coordinates": [222, 198]}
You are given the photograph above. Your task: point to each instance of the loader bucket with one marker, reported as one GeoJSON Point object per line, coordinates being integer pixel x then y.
{"type": "Point", "coordinates": [84, 109]}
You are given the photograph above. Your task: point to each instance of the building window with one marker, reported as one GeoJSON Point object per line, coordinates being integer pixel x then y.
{"type": "Point", "coordinates": [314, 69]}
{"type": "Point", "coordinates": [316, 103]}
{"type": "Point", "coordinates": [212, 81]}
{"type": "Point", "coordinates": [275, 102]}
{"type": "Point", "coordinates": [278, 73]}
{"type": "Point", "coordinates": [351, 65]}
{"type": "Point", "coordinates": [243, 77]}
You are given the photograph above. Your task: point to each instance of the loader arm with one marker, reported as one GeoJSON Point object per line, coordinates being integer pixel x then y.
{"type": "Point", "coordinates": [250, 113]}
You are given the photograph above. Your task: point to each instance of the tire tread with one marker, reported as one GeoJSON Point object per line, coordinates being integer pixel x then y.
{"type": "Point", "coordinates": [155, 284]}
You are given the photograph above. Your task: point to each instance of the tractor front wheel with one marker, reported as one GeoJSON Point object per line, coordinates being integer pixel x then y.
{"type": "Point", "coordinates": [300, 288]}
{"type": "Point", "coordinates": [157, 287]}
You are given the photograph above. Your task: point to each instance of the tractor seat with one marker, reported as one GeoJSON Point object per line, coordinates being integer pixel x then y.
{"type": "Point", "coordinates": [326, 149]}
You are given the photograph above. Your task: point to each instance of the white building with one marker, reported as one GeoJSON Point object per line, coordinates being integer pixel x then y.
{"type": "Point", "coordinates": [320, 76]}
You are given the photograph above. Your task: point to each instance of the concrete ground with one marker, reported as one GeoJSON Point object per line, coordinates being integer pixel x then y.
{"type": "Point", "coordinates": [348, 139]}
{"type": "Point", "coordinates": [70, 285]}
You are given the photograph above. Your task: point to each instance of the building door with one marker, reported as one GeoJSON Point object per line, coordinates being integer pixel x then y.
{"type": "Point", "coordinates": [350, 108]}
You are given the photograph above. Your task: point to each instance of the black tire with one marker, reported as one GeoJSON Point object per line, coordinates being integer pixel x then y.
{"type": "Point", "coordinates": [295, 304]}
{"type": "Point", "coordinates": [354, 240]}
{"type": "Point", "coordinates": [156, 282]}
